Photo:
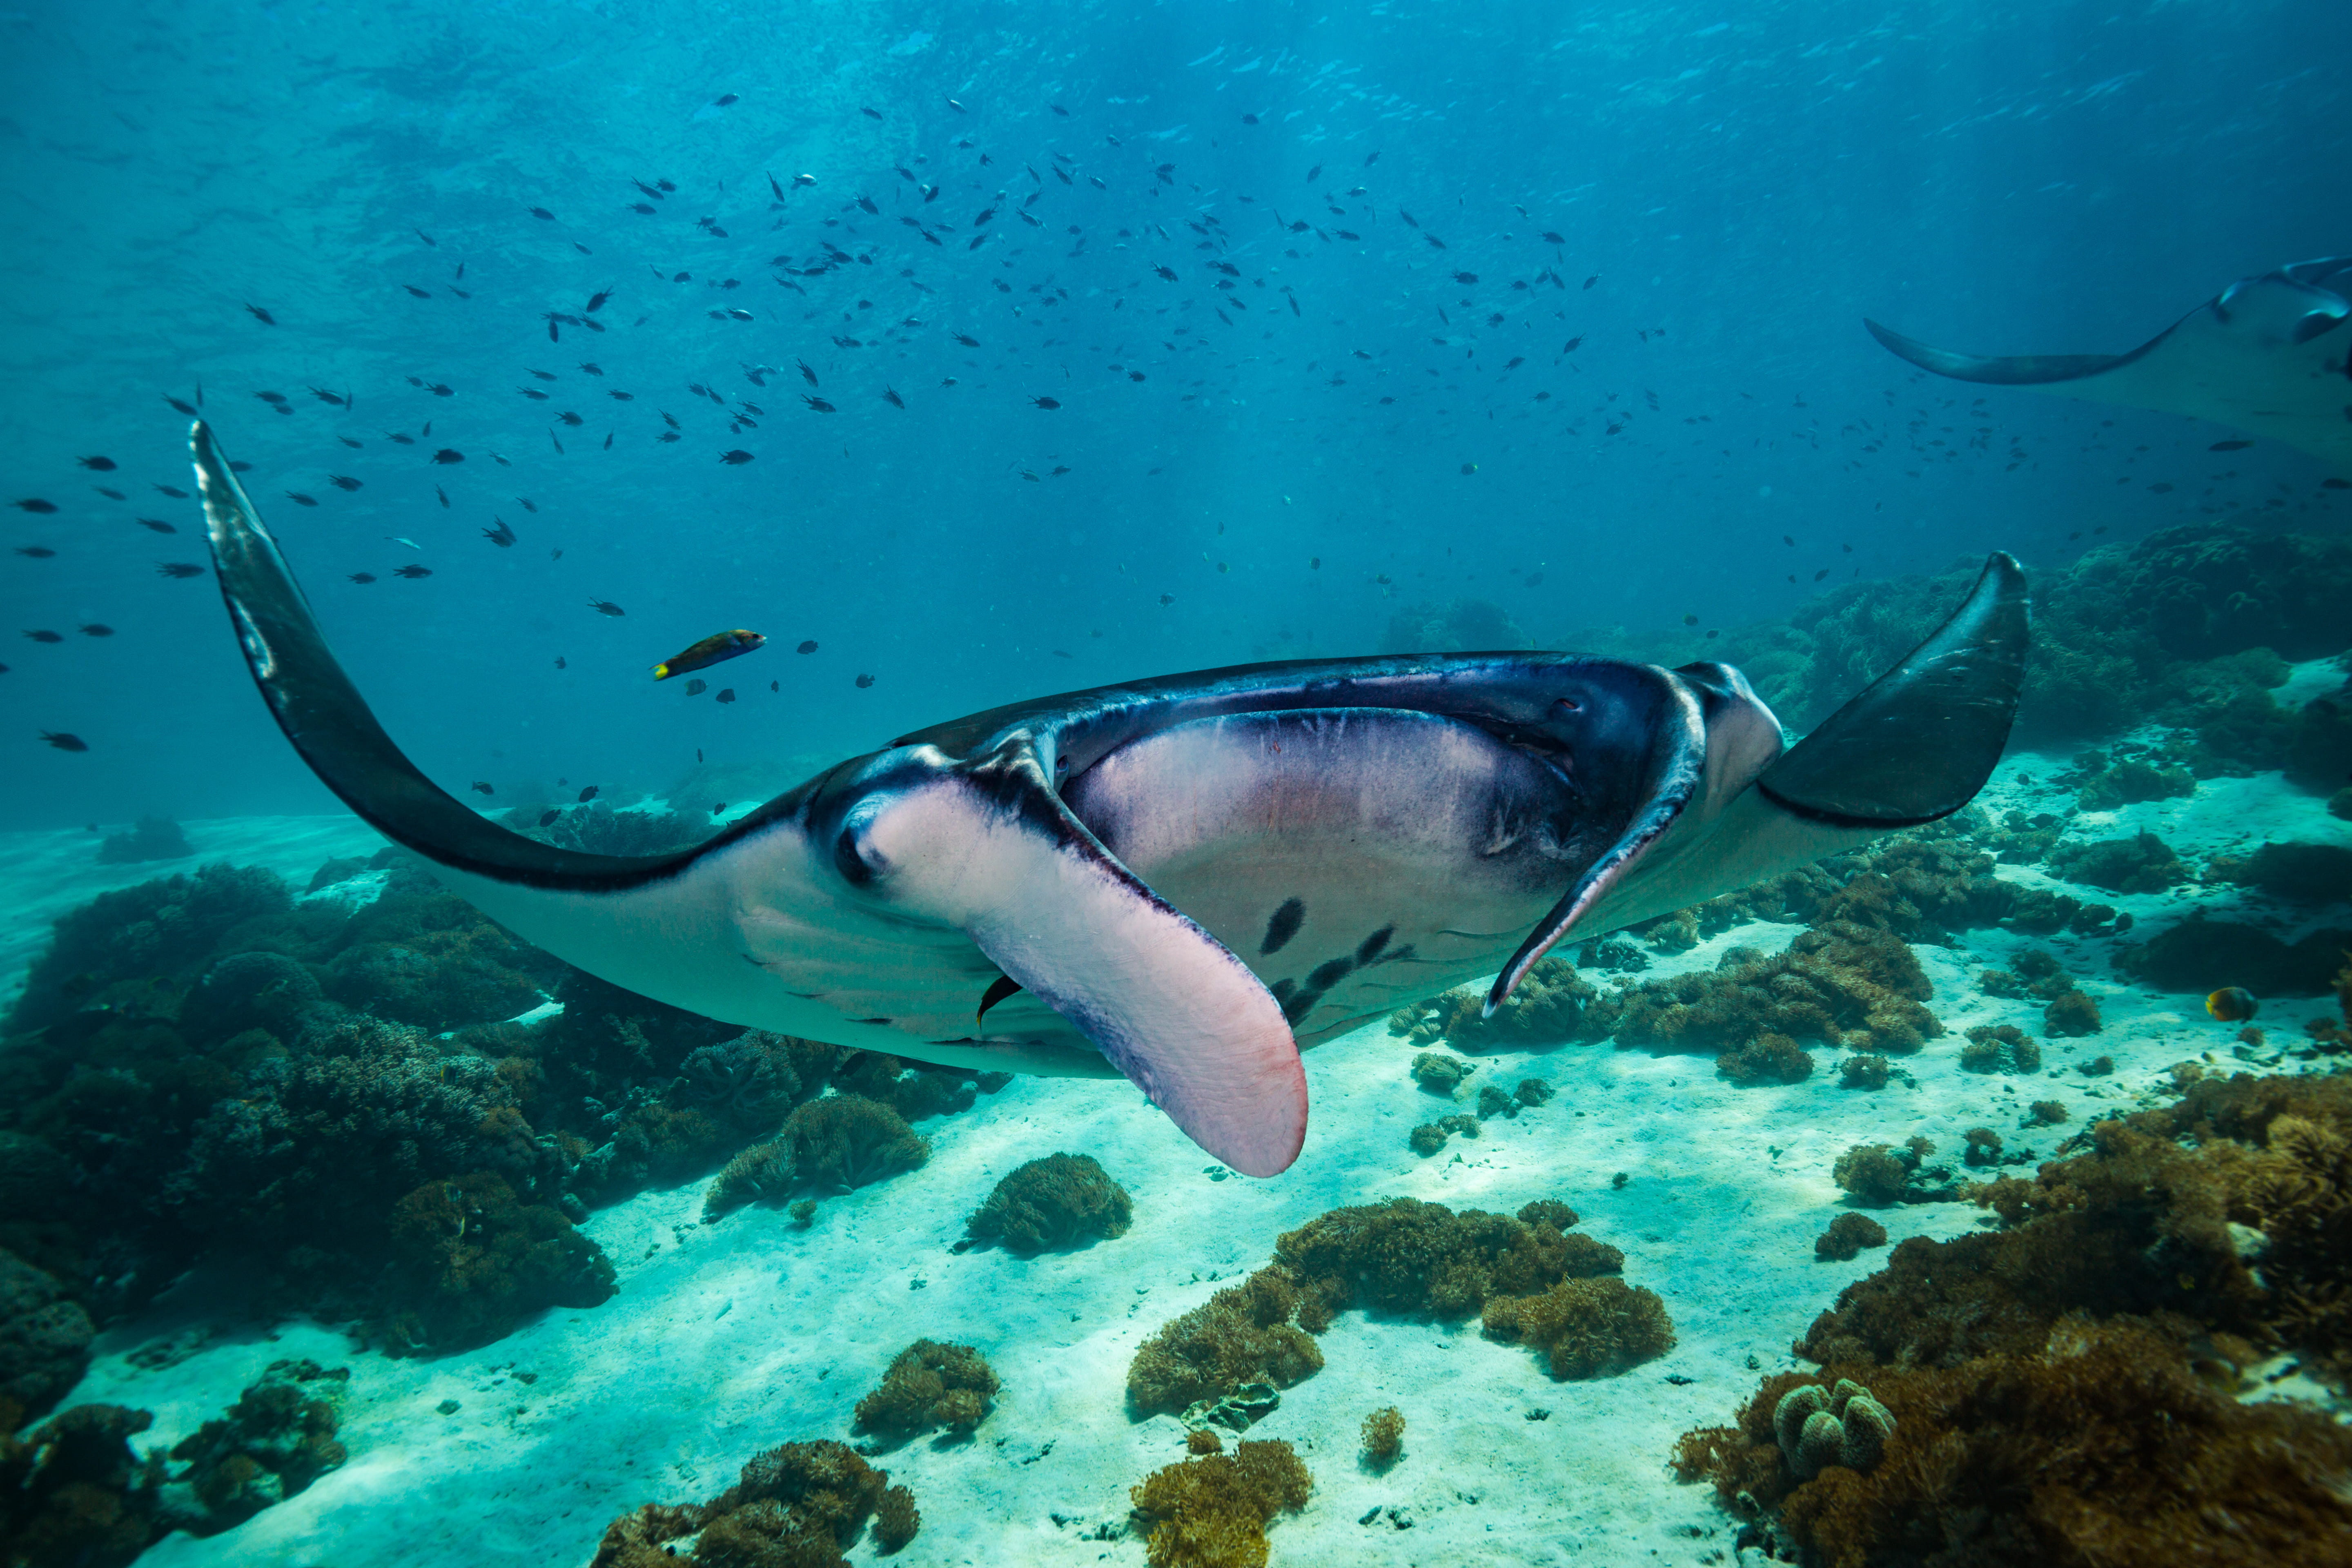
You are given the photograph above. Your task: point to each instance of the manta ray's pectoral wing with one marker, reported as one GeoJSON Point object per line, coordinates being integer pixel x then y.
{"type": "Point", "coordinates": [1913, 746]}
{"type": "Point", "coordinates": [847, 910]}
{"type": "Point", "coordinates": [2267, 355]}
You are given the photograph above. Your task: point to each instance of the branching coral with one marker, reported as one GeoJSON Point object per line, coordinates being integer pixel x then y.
{"type": "Point", "coordinates": [1425, 1259]}
{"type": "Point", "coordinates": [2005, 1048]}
{"type": "Point", "coordinates": [1211, 1511]}
{"type": "Point", "coordinates": [1057, 1202]}
{"type": "Point", "coordinates": [930, 1384]}
{"type": "Point", "coordinates": [795, 1507]}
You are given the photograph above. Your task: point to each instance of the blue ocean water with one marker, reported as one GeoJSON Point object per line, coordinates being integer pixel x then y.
{"type": "Point", "coordinates": [1652, 402]}
{"type": "Point", "coordinates": [973, 353]}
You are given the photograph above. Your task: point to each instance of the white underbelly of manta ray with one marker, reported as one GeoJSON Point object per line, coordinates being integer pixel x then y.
{"type": "Point", "coordinates": [1181, 879]}
{"type": "Point", "coordinates": [1355, 862]}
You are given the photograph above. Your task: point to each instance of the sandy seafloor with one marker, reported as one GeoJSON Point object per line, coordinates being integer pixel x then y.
{"type": "Point", "coordinates": [729, 1339]}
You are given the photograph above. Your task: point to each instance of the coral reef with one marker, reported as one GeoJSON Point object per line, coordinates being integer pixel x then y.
{"type": "Point", "coordinates": [1587, 1327]}
{"type": "Point", "coordinates": [930, 1384]}
{"type": "Point", "coordinates": [2319, 746]}
{"type": "Point", "coordinates": [2071, 1014]}
{"type": "Point", "coordinates": [2004, 1047]}
{"type": "Point", "coordinates": [1552, 1006]}
{"type": "Point", "coordinates": [151, 839]}
{"type": "Point", "coordinates": [1439, 1073]}
{"type": "Point", "coordinates": [897, 1521]}
{"type": "Point", "coordinates": [477, 1261]}
{"type": "Point", "coordinates": [1423, 1259]}
{"type": "Point", "coordinates": [1847, 1235]}
{"type": "Point", "coordinates": [2141, 863]}
{"type": "Point", "coordinates": [277, 1440]}
{"type": "Point", "coordinates": [1057, 1202]}
{"type": "Point", "coordinates": [1458, 625]}
{"type": "Point", "coordinates": [1403, 1256]}
{"type": "Point", "coordinates": [1842, 985]}
{"type": "Point", "coordinates": [1873, 1173]}
{"type": "Point", "coordinates": [1211, 1511]}
{"type": "Point", "coordinates": [1383, 1436]}
{"type": "Point", "coordinates": [845, 1141]}
{"type": "Point", "coordinates": [1865, 1069]}
{"type": "Point", "coordinates": [2306, 873]}
{"type": "Point", "coordinates": [1243, 1334]}
{"type": "Point", "coordinates": [2203, 955]}
{"type": "Point", "coordinates": [764, 1172]}
{"type": "Point", "coordinates": [2098, 1444]}
{"type": "Point", "coordinates": [2127, 781]}
{"type": "Point", "coordinates": [72, 1494]}
{"type": "Point", "coordinates": [1430, 1137]}
{"type": "Point", "coordinates": [794, 1506]}
{"type": "Point", "coordinates": [44, 1339]}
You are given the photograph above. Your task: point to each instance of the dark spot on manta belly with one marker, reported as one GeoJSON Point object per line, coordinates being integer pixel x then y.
{"type": "Point", "coordinates": [1326, 975]}
{"type": "Point", "coordinates": [1374, 945]}
{"type": "Point", "coordinates": [869, 1020]}
{"type": "Point", "coordinates": [1281, 925]}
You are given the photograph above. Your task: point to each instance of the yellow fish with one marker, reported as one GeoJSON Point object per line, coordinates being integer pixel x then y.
{"type": "Point", "coordinates": [710, 651]}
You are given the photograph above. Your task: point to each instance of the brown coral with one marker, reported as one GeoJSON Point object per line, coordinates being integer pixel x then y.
{"type": "Point", "coordinates": [1842, 985]}
{"type": "Point", "coordinates": [1211, 1511]}
{"type": "Point", "coordinates": [1847, 1235]}
{"type": "Point", "coordinates": [1383, 1436]}
{"type": "Point", "coordinates": [1873, 1173]}
{"type": "Point", "coordinates": [929, 1385]}
{"type": "Point", "coordinates": [1243, 1333]}
{"type": "Point", "coordinates": [1589, 1328]}
{"type": "Point", "coordinates": [2097, 1445]}
{"type": "Point", "coordinates": [794, 1506]}
{"type": "Point", "coordinates": [1552, 1005]}
{"type": "Point", "coordinates": [1059, 1201]}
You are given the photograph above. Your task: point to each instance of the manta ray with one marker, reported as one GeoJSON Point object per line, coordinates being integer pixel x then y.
{"type": "Point", "coordinates": [1182, 880]}
{"type": "Point", "coordinates": [2267, 355]}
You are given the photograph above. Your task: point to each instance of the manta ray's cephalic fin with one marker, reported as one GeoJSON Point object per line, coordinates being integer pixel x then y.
{"type": "Point", "coordinates": [1919, 742]}
{"type": "Point", "coordinates": [1913, 746]}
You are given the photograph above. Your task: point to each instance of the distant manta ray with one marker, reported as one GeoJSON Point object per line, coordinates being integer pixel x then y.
{"type": "Point", "coordinates": [1182, 879]}
{"type": "Point", "coordinates": [2266, 355]}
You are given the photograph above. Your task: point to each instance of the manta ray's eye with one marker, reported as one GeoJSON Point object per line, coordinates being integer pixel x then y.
{"type": "Point", "coordinates": [1569, 705]}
